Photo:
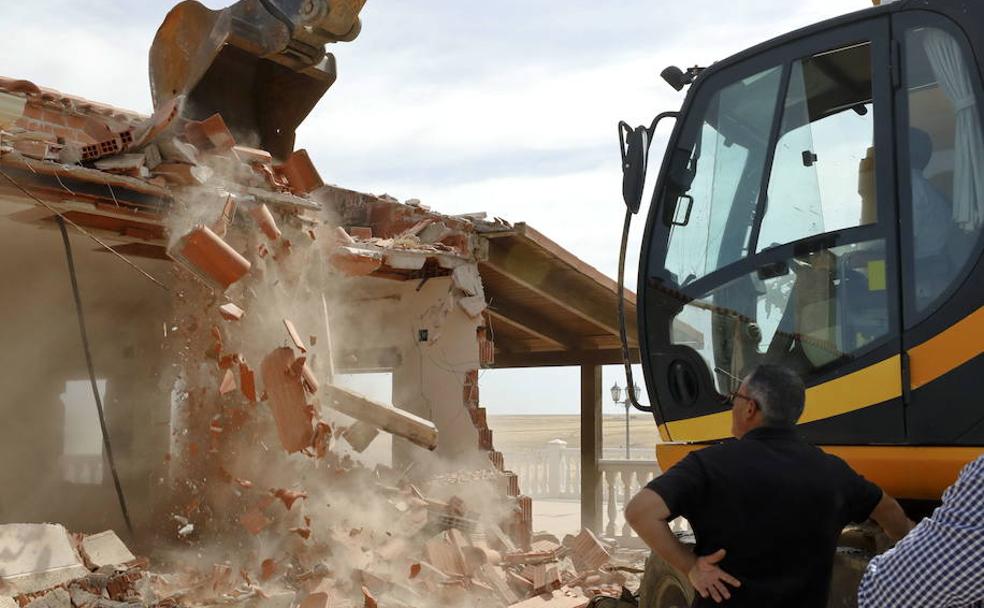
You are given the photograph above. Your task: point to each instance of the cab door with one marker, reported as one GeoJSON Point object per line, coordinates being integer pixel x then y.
{"type": "Point", "coordinates": [941, 201]}
{"type": "Point", "coordinates": [772, 238]}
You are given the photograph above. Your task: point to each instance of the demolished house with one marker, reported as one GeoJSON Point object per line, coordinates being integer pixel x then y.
{"type": "Point", "coordinates": [221, 287]}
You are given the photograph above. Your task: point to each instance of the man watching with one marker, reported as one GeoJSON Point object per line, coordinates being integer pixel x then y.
{"type": "Point", "coordinates": [941, 561]}
{"type": "Point", "coordinates": [766, 510]}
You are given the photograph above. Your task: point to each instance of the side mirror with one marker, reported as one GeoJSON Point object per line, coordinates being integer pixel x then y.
{"type": "Point", "coordinates": [635, 157]}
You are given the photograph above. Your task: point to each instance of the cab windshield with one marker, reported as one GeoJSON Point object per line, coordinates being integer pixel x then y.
{"type": "Point", "coordinates": [782, 157]}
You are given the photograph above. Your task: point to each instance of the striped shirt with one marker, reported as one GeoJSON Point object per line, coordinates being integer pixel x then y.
{"type": "Point", "coordinates": [940, 563]}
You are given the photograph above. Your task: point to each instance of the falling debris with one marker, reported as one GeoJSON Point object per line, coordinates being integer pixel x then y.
{"type": "Point", "coordinates": [285, 392]}
{"type": "Point", "coordinates": [211, 258]}
{"type": "Point", "coordinates": [231, 312]}
{"type": "Point", "coordinates": [389, 419]}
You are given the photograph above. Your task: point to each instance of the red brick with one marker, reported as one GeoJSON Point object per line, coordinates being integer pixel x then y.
{"type": "Point", "coordinates": [212, 257]}
{"type": "Point", "coordinates": [300, 173]}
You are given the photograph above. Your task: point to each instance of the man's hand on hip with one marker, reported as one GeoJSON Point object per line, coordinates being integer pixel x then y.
{"type": "Point", "coordinates": [709, 580]}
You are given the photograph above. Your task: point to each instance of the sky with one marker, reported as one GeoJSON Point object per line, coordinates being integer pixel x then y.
{"type": "Point", "coordinates": [508, 107]}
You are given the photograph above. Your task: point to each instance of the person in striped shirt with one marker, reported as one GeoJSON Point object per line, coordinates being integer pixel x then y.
{"type": "Point", "coordinates": [940, 563]}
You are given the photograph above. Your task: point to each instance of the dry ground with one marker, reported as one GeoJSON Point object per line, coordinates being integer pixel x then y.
{"type": "Point", "coordinates": [523, 432]}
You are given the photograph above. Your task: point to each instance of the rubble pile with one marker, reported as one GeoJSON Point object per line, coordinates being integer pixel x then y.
{"type": "Point", "coordinates": [437, 565]}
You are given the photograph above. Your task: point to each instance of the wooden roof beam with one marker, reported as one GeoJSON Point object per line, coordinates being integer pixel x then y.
{"type": "Point", "coordinates": [532, 324]}
{"type": "Point", "coordinates": [522, 263]}
{"type": "Point", "coordinates": [611, 356]}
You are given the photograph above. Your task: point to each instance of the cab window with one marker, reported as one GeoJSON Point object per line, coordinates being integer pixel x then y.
{"type": "Point", "coordinates": [945, 172]}
{"type": "Point", "coordinates": [822, 176]}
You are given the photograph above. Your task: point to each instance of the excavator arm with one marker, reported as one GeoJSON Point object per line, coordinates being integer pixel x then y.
{"type": "Point", "coordinates": [261, 64]}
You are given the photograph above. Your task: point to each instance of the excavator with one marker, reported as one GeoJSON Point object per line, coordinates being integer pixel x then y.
{"type": "Point", "coordinates": [820, 205]}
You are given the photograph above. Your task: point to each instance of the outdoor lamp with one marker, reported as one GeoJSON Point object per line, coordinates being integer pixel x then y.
{"type": "Point", "coordinates": [616, 392]}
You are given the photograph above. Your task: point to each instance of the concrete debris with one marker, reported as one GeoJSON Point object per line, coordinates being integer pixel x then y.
{"type": "Point", "coordinates": [360, 435]}
{"type": "Point", "coordinates": [56, 598]}
{"type": "Point", "coordinates": [8, 602]}
{"type": "Point", "coordinates": [36, 556]}
{"type": "Point", "coordinates": [104, 549]}
{"type": "Point", "coordinates": [473, 306]}
{"type": "Point", "coordinates": [231, 312]}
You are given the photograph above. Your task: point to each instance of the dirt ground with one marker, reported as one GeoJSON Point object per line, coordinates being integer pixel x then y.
{"type": "Point", "coordinates": [524, 432]}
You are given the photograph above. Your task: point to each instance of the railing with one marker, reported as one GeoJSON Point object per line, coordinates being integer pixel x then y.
{"type": "Point", "coordinates": [620, 480]}
{"type": "Point", "coordinates": [82, 468]}
{"type": "Point", "coordinates": [554, 472]}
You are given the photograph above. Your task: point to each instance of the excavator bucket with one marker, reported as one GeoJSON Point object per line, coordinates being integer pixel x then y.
{"type": "Point", "coordinates": [261, 64]}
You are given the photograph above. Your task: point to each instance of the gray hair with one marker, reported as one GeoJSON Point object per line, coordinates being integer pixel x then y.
{"type": "Point", "coordinates": [779, 392]}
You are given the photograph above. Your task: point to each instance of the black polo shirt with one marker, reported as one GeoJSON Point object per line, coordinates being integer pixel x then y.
{"type": "Point", "coordinates": [777, 505]}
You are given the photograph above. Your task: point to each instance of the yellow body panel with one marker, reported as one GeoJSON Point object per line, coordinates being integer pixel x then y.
{"type": "Point", "coordinates": [902, 471]}
{"type": "Point", "coordinates": [947, 350]}
{"type": "Point", "coordinates": [873, 384]}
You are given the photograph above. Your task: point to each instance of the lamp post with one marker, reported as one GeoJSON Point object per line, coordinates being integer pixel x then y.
{"type": "Point", "coordinates": [627, 403]}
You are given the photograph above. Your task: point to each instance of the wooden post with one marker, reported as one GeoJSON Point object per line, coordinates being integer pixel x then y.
{"type": "Point", "coordinates": [591, 447]}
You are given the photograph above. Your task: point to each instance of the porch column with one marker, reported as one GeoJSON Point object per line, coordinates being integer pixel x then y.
{"type": "Point", "coordinates": [591, 447]}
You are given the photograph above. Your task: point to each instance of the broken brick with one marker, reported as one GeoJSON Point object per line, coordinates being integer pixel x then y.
{"type": "Point", "coordinates": [228, 383]}
{"type": "Point", "coordinates": [300, 173]}
{"type": "Point", "coordinates": [254, 520]}
{"type": "Point", "coordinates": [247, 381]}
{"type": "Point", "coordinates": [264, 219]}
{"type": "Point", "coordinates": [252, 156]}
{"type": "Point", "coordinates": [183, 174]}
{"type": "Point", "coordinates": [288, 497]}
{"type": "Point", "coordinates": [210, 134]}
{"type": "Point", "coordinates": [356, 262]}
{"type": "Point", "coordinates": [361, 232]}
{"type": "Point", "coordinates": [267, 569]}
{"type": "Point", "coordinates": [212, 258]}
{"type": "Point", "coordinates": [287, 400]}
{"type": "Point", "coordinates": [294, 336]}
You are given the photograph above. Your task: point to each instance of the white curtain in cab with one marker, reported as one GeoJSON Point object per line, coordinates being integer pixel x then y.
{"type": "Point", "coordinates": [947, 60]}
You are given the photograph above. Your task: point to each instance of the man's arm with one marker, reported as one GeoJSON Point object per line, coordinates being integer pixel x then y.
{"type": "Point", "coordinates": [647, 513]}
{"type": "Point", "coordinates": [892, 519]}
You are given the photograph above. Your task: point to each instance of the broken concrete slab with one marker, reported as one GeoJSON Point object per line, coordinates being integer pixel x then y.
{"type": "Point", "coordinates": [104, 549]}
{"type": "Point", "coordinates": [473, 306]}
{"type": "Point", "coordinates": [390, 419]}
{"type": "Point", "coordinates": [360, 435]}
{"type": "Point", "coordinates": [467, 279]}
{"type": "Point", "coordinates": [129, 164]}
{"type": "Point", "coordinates": [175, 150]}
{"type": "Point", "coordinates": [288, 402]}
{"type": "Point", "coordinates": [8, 602]}
{"type": "Point", "coordinates": [37, 556]}
{"type": "Point", "coordinates": [56, 598]}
